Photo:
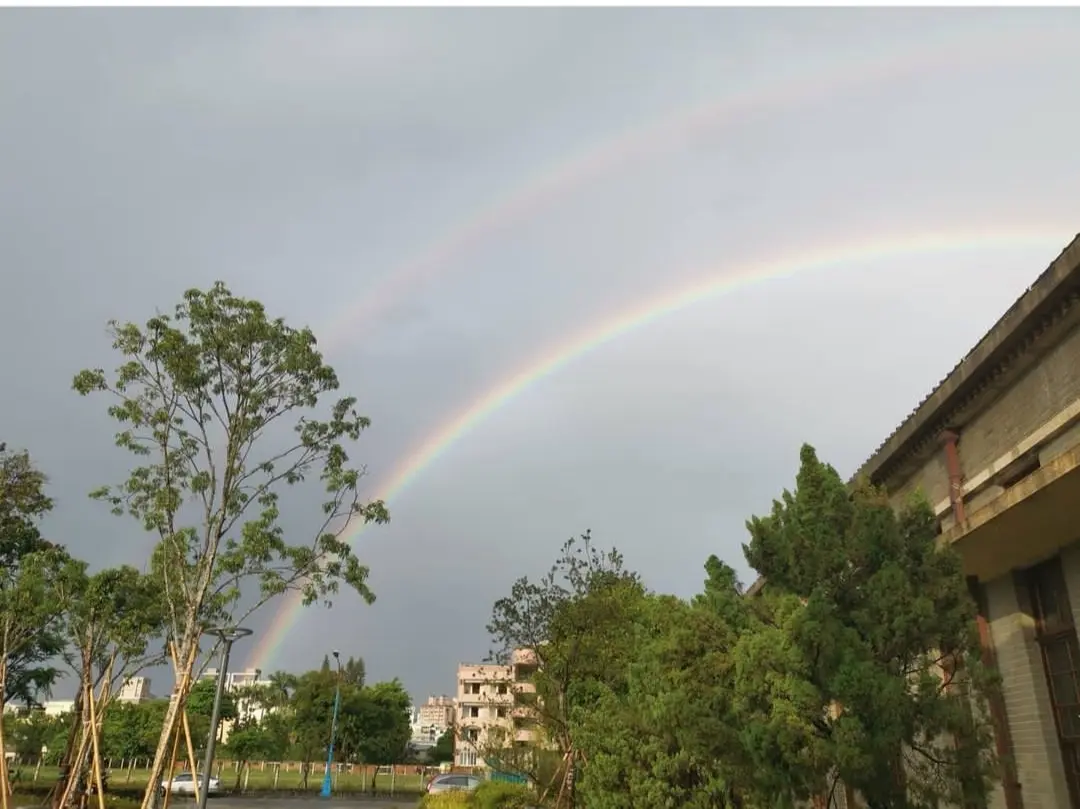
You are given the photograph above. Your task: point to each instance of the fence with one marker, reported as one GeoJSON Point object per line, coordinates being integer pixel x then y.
{"type": "Point", "coordinates": [255, 775]}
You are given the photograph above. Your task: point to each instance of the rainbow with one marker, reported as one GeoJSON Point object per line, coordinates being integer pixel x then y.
{"type": "Point", "coordinates": [450, 432]}
{"type": "Point", "coordinates": [948, 50]}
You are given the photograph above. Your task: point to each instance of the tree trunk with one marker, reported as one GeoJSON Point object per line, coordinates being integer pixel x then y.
{"type": "Point", "coordinates": [239, 773]}
{"type": "Point", "coordinates": [177, 701]}
{"type": "Point", "coordinates": [69, 772]}
{"type": "Point", "coordinates": [5, 785]}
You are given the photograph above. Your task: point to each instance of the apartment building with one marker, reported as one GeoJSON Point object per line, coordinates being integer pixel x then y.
{"type": "Point", "coordinates": [486, 712]}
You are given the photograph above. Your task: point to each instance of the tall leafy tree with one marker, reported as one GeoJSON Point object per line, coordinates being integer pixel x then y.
{"type": "Point", "coordinates": [200, 701]}
{"type": "Point", "coordinates": [443, 749]}
{"type": "Point", "coordinates": [375, 724]}
{"type": "Point", "coordinates": [31, 603]}
{"type": "Point", "coordinates": [668, 738]}
{"type": "Point", "coordinates": [203, 398]}
{"type": "Point", "coordinates": [31, 670]}
{"type": "Point", "coordinates": [852, 673]}
{"type": "Point", "coordinates": [353, 671]}
{"type": "Point", "coordinates": [113, 631]}
{"type": "Point", "coordinates": [571, 622]}
{"type": "Point", "coordinates": [131, 730]}
{"type": "Point", "coordinates": [312, 706]}
{"type": "Point", "coordinates": [279, 689]}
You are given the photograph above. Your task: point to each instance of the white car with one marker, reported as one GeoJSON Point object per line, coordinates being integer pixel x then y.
{"type": "Point", "coordinates": [453, 782]}
{"type": "Point", "coordinates": [184, 784]}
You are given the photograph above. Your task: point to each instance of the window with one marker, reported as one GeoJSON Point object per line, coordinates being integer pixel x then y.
{"type": "Point", "coordinates": [466, 758]}
{"type": "Point", "coordinates": [472, 688]}
{"type": "Point", "coordinates": [501, 689]}
{"type": "Point", "coordinates": [472, 712]}
{"type": "Point", "coordinates": [1055, 632]}
{"type": "Point", "coordinates": [500, 713]}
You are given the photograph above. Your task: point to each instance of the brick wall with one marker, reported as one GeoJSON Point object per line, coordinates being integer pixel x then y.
{"type": "Point", "coordinates": [1039, 395]}
{"type": "Point", "coordinates": [1045, 390]}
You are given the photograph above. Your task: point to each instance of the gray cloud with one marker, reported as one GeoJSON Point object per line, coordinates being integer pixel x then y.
{"type": "Point", "coordinates": [550, 168]}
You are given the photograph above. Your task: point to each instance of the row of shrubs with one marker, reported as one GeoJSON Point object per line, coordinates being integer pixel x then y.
{"type": "Point", "coordinates": [489, 795]}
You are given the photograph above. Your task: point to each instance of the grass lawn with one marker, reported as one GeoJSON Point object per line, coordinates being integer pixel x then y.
{"type": "Point", "coordinates": [259, 779]}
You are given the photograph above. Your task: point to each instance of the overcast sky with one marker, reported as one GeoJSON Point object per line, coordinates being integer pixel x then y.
{"type": "Point", "coordinates": [445, 195]}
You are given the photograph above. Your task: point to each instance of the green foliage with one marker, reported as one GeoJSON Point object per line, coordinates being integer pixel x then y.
{"type": "Point", "coordinates": [835, 672]}
{"type": "Point", "coordinates": [30, 670]}
{"type": "Point", "coordinates": [32, 602]}
{"type": "Point", "coordinates": [574, 623]}
{"type": "Point", "coordinates": [27, 733]}
{"type": "Point", "coordinates": [204, 399]}
{"type": "Point", "coordinates": [115, 616]}
{"type": "Point", "coordinates": [312, 707]}
{"type": "Point", "coordinates": [198, 396]}
{"type": "Point", "coordinates": [862, 612]}
{"type": "Point", "coordinates": [503, 795]}
{"type": "Point", "coordinates": [489, 795]}
{"type": "Point", "coordinates": [353, 671]}
{"type": "Point", "coordinates": [200, 700]}
{"type": "Point", "coordinates": [374, 723]}
{"type": "Point", "coordinates": [131, 730]}
{"type": "Point", "coordinates": [443, 749]}
{"type": "Point", "coordinates": [667, 738]}
{"type": "Point", "coordinates": [247, 742]}
{"type": "Point", "coordinates": [447, 800]}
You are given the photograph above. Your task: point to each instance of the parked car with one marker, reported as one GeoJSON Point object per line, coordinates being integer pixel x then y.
{"type": "Point", "coordinates": [453, 782]}
{"type": "Point", "coordinates": [184, 784]}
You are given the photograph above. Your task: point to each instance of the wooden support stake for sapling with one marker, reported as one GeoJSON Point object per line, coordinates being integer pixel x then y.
{"type": "Point", "coordinates": [172, 766]}
{"type": "Point", "coordinates": [95, 758]}
{"type": "Point", "coordinates": [186, 679]}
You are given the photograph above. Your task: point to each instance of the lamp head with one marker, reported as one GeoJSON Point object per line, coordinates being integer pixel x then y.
{"type": "Point", "coordinates": [336, 654]}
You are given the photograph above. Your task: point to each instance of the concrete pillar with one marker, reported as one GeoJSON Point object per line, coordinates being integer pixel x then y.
{"type": "Point", "coordinates": [1027, 701]}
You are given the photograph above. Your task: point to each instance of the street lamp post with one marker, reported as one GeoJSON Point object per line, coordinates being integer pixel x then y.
{"type": "Point", "coordinates": [227, 636]}
{"type": "Point", "coordinates": [327, 782]}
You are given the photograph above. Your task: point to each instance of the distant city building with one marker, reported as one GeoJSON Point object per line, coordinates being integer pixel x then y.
{"type": "Point", "coordinates": [237, 679]}
{"type": "Point", "coordinates": [431, 720]}
{"type": "Point", "coordinates": [247, 709]}
{"type": "Point", "coordinates": [58, 707]}
{"type": "Point", "coordinates": [135, 689]}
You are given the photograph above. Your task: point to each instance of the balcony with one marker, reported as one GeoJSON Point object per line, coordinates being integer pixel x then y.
{"type": "Point", "coordinates": [1022, 524]}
